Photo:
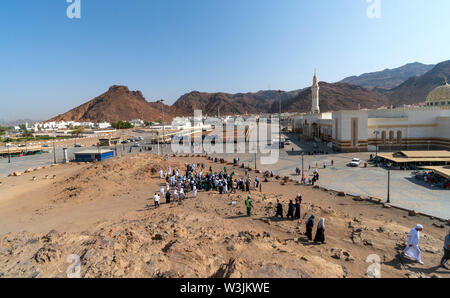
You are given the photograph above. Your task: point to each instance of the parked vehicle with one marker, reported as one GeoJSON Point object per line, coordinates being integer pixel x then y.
{"type": "Point", "coordinates": [356, 162]}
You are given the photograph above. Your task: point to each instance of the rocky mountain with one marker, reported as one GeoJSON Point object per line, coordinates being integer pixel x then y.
{"type": "Point", "coordinates": [229, 104]}
{"type": "Point", "coordinates": [334, 97]}
{"type": "Point", "coordinates": [416, 89]}
{"type": "Point", "coordinates": [118, 103]}
{"type": "Point", "coordinates": [384, 80]}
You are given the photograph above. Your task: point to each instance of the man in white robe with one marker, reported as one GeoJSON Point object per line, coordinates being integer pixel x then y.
{"type": "Point", "coordinates": [412, 249]}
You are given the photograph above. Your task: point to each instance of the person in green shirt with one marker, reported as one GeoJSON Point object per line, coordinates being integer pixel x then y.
{"type": "Point", "coordinates": [249, 205]}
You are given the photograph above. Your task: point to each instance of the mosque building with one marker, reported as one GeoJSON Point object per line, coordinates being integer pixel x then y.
{"type": "Point", "coordinates": [405, 128]}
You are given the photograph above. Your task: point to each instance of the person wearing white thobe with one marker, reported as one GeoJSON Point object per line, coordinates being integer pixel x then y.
{"type": "Point", "coordinates": [161, 174]}
{"type": "Point", "coordinates": [194, 191]}
{"type": "Point", "coordinates": [161, 191]}
{"type": "Point", "coordinates": [412, 249]}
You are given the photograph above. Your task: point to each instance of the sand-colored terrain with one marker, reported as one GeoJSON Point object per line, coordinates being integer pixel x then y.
{"type": "Point", "coordinates": [104, 213]}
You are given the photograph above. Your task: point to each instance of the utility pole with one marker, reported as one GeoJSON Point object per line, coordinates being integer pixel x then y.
{"type": "Point", "coordinates": [161, 101]}
{"type": "Point", "coordinates": [279, 119]}
{"type": "Point", "coordinates": [9, 154]}
{"type": "Point", "coordinates": [54, 151]}
{"type": "Point", "coordinates": [302, 165]}
{"type": "Point", "coordinates": [389, 185]}
{"type": "Point", "coordinates": [376, 141]}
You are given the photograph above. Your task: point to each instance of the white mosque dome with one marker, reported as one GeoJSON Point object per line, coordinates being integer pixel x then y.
{"type": "Point", "coordinates": [440, 96]}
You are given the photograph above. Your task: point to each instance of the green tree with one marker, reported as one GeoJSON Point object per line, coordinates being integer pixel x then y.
{"type": "Point", "coordinates": [3, 130]}
{"type": "Point", "coordinates": [122, 125]}
{"type": "Point", "coordinates": [77, 131]}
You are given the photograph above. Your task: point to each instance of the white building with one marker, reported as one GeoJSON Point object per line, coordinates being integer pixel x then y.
{"type": "Point", "coordinates": [405, 128]}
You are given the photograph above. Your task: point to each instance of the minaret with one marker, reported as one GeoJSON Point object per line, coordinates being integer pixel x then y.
{"type": "Point", "coordinates": [315, 95]}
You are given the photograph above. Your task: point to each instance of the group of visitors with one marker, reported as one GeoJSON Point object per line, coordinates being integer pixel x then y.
{"type": "Point", "coordinates": [294, 210]}
{"type": "Point", "coordinates": [196, 178]}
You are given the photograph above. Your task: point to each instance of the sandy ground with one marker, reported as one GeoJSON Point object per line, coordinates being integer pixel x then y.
{"type": "Point", "coordinates": [104, 213]}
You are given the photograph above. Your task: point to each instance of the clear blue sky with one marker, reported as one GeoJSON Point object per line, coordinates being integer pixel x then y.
{"type": "Point", "coordinates": [165, 48]}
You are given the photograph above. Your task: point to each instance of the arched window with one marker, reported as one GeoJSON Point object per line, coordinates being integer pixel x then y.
{"type": "Point", "coordinates": [399, 137]}
{"type": "Point", "coordinates": [383, 137]}
{"type": "Point", "coordinates": [391, 137]}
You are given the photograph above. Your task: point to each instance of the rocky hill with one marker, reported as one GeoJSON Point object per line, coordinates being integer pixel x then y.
{"type": "Point", "coordinates": [229, 104]}
{"type": "Point", "coordinates": [416, 89]}
{"type": "Point", "coordinates": [388, 78]}
{"type": "Point", "coordinates": [118, 103]}
{"type": "Point", "coordinates": [334, 97]}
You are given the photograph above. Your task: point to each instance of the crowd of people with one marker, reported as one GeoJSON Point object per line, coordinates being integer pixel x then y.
{"type": "Point", "coordinates": [195, 177]}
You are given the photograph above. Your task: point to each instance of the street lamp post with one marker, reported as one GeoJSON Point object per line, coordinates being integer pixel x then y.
{"type": "Point", "coordinates": [389, 185]}
{"type": "Point", "coordinates": [9, 154]}
{"type": "Point", "coordinates": [376, 141]}
{"type": "Point", "coordinates": [302, 165]}
{"type": "Point", "coordinates": [279, 119]}
{"type": "Point", "coordinates": [54, 151]}
{"type": "Point", "coordinates": [161, 101]}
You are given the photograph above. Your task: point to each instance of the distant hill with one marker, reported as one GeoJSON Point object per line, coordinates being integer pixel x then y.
{"type": "Point", "coordinates": [381, 81]}
{"type": "Point", "coordinates": [416, 89]}
{"type": "Point", "coordinates": [334, 97]}
{"type": "Point", "coordinates": [118, 103]}
{"type": "Point", "coordinates": [229, 104]}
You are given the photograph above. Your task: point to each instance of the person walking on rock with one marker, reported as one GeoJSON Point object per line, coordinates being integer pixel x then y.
{"type": "Point", "coordinates": [156, 198]}
{"type": "Point", "coordinates": [249, 205]}
{"type": "Point", "coordinates": [279, 210]}
{"type": "Point", "coordinates": [412, 249]}
{"type": "Point", "coordinates": [168, 194]}
{"type": "Point", "coordinates": [320, 233]}
{"type": "Point", "coordinates": [446, 251]}
{"type": "Point", "coordinates": [309, 227]}
{"type": "Point", "coordinates": [291, 208]}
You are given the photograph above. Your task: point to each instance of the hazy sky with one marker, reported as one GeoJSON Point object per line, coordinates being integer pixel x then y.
{"type": "Point", "coordinates": [165, 48]}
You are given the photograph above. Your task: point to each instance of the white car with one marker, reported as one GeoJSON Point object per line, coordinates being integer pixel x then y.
{"type": "Point", "coordinates": [356, 162]}
{"type": "Point", "coordinates": [288, 142]}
